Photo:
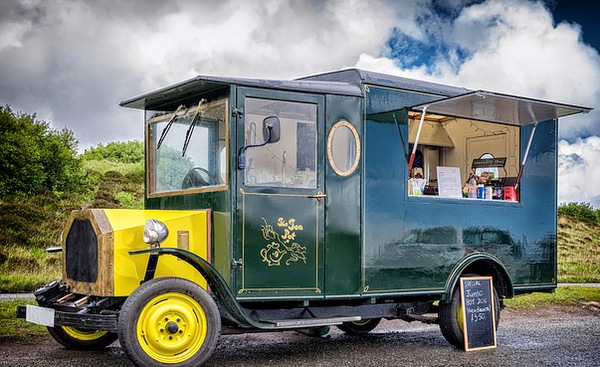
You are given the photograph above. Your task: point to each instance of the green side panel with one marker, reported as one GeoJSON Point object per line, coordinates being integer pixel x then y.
{"type": "Point", "coordinates": [389, 264]}
{"type": "Point", "coordinates": [281, 250]}
{"type": "Point", "coordinates": [414, 243]}
{"type": "Point", "coordinates": [342, 209]}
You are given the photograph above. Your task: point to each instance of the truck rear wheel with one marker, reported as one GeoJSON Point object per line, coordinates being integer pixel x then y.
{"type": "Point", "coordinates": [79, 339]}
{"type": "Point", "coordinates": [359, 327]}
{"type": "Point", "coordinates": [450, 316]}
{"type": "Point", "coordinates": [169, 321]}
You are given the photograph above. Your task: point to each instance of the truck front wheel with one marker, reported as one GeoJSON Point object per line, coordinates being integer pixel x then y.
{"type": "Point", "coordinates": [79, 339]}
{"type": "Point", "coordinates": [169, 321]}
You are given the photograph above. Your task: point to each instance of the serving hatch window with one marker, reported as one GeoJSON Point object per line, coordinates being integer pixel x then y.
{"type": "Point", "coordinates": [485, 156]}
{"type": "Point", "coordinates": [187, 148]}
{"type": "Point", "coordinates": [473, 141]}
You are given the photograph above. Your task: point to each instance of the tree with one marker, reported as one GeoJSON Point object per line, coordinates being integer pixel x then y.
{"type": "Point", "coordinates": [34, 157]}
{"type": "Point", "coordinates": [122, 152]}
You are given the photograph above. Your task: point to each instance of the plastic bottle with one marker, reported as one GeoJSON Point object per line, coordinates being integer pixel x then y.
{"type": "Point", "coordinates": [472, 188]}
{"type": "Point", "coordinates": [480, 191]}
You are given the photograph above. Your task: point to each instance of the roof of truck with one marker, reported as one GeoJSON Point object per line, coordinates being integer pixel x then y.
{"type": "Point", "coordinates": [342, 82]}
{"type": "Point", "coordinates": [358, 77]}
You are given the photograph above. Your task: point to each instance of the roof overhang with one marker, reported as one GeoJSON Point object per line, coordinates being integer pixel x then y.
{"type": "Point", "coordinates": [499, 108]}
{"type": "Point", "coordinates": [171, 96]}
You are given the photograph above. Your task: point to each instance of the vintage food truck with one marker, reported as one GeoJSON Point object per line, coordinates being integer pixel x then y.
{"type": "Point", "coordinates": [333, 199]}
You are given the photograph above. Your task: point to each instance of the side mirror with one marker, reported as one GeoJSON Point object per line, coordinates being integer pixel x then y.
{"type": "Point", "coordinates": [271, 134]}
{"type": "Point", "coordinates": [271, 129]}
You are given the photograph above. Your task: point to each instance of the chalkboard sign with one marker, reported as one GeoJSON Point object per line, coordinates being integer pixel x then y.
{"type": "Point", "coordinates": [479, 321]}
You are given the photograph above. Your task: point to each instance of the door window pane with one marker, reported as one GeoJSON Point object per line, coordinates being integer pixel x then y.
{"type": "Point", "coordinates": [289, 162]}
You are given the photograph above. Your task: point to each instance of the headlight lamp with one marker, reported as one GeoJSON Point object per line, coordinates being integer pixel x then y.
{"type": "Point", "coordinates": [155, 232]}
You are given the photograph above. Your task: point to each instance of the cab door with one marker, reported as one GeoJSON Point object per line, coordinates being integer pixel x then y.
{"type": "Point", "coordinates": [280, 195]}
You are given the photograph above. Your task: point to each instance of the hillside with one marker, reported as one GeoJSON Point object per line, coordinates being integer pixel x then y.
{"type": "Point", "coordinates": [30, 224]}
{"type": "Point", "coordinates": [578, 250]}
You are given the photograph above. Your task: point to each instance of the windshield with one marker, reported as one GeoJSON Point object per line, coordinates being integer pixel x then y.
{"type": "Point", "coordinates": [188, 148]}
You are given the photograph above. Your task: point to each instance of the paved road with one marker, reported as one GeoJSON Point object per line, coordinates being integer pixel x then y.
{"type": "Point", "coordinates": [560, 336]}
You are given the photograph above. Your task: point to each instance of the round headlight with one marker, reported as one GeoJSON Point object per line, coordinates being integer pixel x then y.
{"type": "Point", "coordinates": [155, 232]}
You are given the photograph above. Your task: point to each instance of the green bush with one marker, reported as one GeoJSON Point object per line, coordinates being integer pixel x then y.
{"type": "Point", "coordinates": [34, 157]}
{"type": "Point", "coordinates": [121, 152]}
{"type": "Point", "coordinates": [583, 211]}
{"type": "Point", "coordinates": [129, 201]}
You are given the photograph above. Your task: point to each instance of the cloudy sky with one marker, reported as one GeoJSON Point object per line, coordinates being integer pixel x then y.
{"type": "Point", "coordinates": [72, 62]}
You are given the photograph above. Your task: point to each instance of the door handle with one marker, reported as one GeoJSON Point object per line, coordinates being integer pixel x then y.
{"type": "Point", "coordinates": [319, 196]}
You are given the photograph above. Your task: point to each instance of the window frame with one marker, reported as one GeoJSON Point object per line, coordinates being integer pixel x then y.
{"type": "Point", "coordinates": [357, 146]}
{"type": "Point", "coordinates": [150, 169]}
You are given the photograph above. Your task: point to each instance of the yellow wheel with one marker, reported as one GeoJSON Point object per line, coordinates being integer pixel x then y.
{"type": "Point", "coordinates": [80, 339]}
{"type": "Point", "coordinates": [169, 321]}
{"type": "Point", "coordinates": [171, 328]}
{"type": "Point", "coordinates": [83, 334]}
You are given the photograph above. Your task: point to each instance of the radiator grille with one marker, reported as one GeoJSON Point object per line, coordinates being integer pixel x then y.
{"type": "Point", "coordinates": [82, 252]}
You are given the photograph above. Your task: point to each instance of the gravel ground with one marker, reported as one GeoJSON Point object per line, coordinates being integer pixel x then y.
{"type": "Point", "coordinates": [556, 336]}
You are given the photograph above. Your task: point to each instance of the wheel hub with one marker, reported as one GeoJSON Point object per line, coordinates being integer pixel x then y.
{"type": "Point", "coordinates": [172, 327]}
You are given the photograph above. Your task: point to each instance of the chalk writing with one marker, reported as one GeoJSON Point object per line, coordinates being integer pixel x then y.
{"type": "Point", "coordinates": [479, 323]}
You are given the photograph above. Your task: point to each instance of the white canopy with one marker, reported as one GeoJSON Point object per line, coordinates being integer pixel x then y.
{"type": "Point", "coordinates": [500, 108]}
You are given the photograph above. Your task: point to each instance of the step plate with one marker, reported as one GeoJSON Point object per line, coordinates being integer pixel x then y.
{"type": "Point", "coordinates": [300, 323]}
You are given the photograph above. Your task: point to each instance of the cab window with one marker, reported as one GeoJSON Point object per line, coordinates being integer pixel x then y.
{"type": "Point", "coordinates": [188, 148]}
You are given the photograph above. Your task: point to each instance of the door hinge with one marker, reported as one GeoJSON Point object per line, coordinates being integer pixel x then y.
{"type": "Point", "coordinates": [236, 264]}
{"type": "Point", "coordinates": [237, 112]}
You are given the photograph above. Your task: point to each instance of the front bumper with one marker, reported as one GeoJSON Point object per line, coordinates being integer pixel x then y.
{"type": "Point", "coordinates": [58, 307]}
{"type": "Point", "coordinates": [76, 320]}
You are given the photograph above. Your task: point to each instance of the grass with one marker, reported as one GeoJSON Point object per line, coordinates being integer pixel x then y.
{"type": "Point", "coordinates": [17, 328]}
{"type": "Point", "coordinates": [26, 269]}
{"type": "Point", "coordinates": [564, 296]}
{"type": "Point", "coordinates": [578, 250]}
{"type": "Point", "coordinates": [27, 281]}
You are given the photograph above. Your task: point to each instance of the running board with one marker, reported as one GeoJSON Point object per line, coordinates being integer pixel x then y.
{"type": "Point", "coordinates": [314, 322]}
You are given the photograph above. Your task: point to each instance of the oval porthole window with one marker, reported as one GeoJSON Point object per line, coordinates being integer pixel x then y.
{"type": "Point", "coordinates": [343, 148]}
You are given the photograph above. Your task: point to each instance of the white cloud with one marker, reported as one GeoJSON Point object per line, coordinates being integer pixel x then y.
{"type": "Point", "coordinates": [514, 47]}
{"type": "Point", "coordinates": [11, 33]}
{"type": "Point", "coordinates": [73, 61]}
{"type": "Point", "coordinates": [578, 171]}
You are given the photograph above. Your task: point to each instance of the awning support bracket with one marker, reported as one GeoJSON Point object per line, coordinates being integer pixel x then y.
{"type": "Point", "coordinates": [535, 123]}
{"type": "Point", "coordinates": [416, 143]}
{"type": "Point", "coordinates": [522, 167]}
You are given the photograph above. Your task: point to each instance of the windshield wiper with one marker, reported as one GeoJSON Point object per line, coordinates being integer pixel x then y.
{"type": "Point", "coordinates": [190, 130]}
{"type": "Point", "coordinates": [163, 135]}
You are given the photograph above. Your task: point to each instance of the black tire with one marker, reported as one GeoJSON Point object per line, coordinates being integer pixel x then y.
{"type": "Point", "coordinates": [449, 316]}
{"type": "Point", "coordinates": [359, 327]}
{"type": "Point", "coordinates": [169, 321]}
{"type": "Point", "coordinates": [79, 339]}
